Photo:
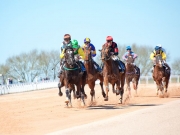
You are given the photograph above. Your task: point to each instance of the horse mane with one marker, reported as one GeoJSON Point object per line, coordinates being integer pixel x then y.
{"type": "Point", "coordinates": [68, 47]}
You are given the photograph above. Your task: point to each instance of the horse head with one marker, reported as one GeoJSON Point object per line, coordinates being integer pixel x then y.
{"type": "Point", "coordinates": [69, 57]}
{"type": "Point", "coordinates": [158, 60]}
{"type": "Point", "coordinates": [105, 53]}
{"type": "Point", "coordinates": [87, 52]}
{"type": "Point", "coordinates": [130, 59]}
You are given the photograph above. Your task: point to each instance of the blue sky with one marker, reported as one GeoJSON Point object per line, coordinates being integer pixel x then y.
{"type": "Point", "coordinates": [41, 24]}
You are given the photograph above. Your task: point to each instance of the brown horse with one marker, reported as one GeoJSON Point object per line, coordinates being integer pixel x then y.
{"type": "Point", "coordinates": [111, 73]}
{"type": "Point", "coordinates": [92, 74]}
{"type": "Point", "coordinates": [71, 76]}
{"type": "Point", "coordinates": [131, 74]}
{"type": "Point", "coordinates": [161, 76]}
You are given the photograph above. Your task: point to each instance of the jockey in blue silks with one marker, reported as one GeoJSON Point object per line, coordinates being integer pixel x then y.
{"type": "Point", "coordinates": [87, 43]}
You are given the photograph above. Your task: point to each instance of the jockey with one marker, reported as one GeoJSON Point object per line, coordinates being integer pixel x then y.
{"type": "Point", "coordinates": [125, 56]}
{"type": "Point", "coordinates": [87, 43]}
{"type": "Point", "coordinates": [78, 54]}
{"type": "Point", "coordinates": [114, 51]}
{"type": "Point", "coordinates": [66, 42]}
{"type": "Point", "coordinates": [158, 50]}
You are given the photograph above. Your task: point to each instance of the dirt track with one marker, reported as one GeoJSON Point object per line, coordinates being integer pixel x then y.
{"type": "Point", "coordinates": [41, 112]}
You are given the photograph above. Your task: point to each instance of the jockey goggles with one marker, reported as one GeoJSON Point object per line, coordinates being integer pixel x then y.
{"type": "Point", "coordinates": [87, 43]}
{"type": "Point", "coordinates": [66, 39]}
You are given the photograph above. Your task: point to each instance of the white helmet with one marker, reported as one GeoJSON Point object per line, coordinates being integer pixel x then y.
{"type": "Point", "coordinates": [159, 45]}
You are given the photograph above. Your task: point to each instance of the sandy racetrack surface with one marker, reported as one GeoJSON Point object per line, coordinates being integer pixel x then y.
{"type": "Point", "coordinates": [41, 112]}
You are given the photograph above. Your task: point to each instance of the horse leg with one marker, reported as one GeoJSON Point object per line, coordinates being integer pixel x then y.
{"type": "Point", "coordinates": [128, 80]}
{"type": "Point", "coordinates": [92, 92]}
{"type": "Point", "coordinates": [74, 92]}
{"type": "Point", "coordinates": [107, 87]}
{"type": "Point", "coordinates": [59, 86]}
{"type": "Point", "coordinates": [67, 96]}
{"type": "Point", "coordinates": [82, 90]}
{"type": "Point", "coordinates": [122, 78]}
{"type": "Point", "coordinates": [102, 89]}
{"type": "Point", "coordinates": [166, 86]}
{"type": "Point", "coordinates": [70, 97]}
{"type": "Point", "coordinates": [162, 85]}
{"type": "Point", "coordinates": [118, 88]}
{"type": "Point", "coordinates": [101, 84]}
{"type": "Point", "coordinates": [135, 84]}
{"type": "Point", "coordinates": [167, 82]}
{"type": "Point", "coordinates": [121, 95]}
{"type": "Point", "coordinates": [113, 90]}
{"type": "Point", "coordinates": [81, 94]}
{"type": "Point", "coordinates": [157, 89]}
{"type": "Point", "coordinates": [83, 83]}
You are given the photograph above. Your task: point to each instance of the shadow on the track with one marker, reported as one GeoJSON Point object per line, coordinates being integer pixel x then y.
{"type": "Point", "coordinates": [114, 106]}
{"type": "Point", "coordinates": [148, 96]}
{"type": "Point", "coordinates": [144, 104]}
{"type": "Point", "coordinates": [175, 97]}
{"type": "Point", "coordinates": [105, 107]}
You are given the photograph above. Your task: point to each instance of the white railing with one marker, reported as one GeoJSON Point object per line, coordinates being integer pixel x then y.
{"type": "Point", "coordinates": [24, 87]}
{"type": "Point", "coordinates": [149, 79]}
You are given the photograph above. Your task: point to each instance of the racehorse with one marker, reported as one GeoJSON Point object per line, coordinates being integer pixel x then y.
{"type": "Point", "coordinates": [71, 76]}
{"type": "Point", "coordinates": [111, 73]}
{"type": "Point", "coordinates": [160, 75]}
{"type": "Point", "coordinates": [92, 74]}
{"type": "Point", "coordinates": [131, 74]}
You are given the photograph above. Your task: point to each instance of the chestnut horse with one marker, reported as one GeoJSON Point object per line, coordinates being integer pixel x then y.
{"type": "Point", "coordinates": [92, 74]}
{"type": "Point", "coordinates": [131, 75]}
{"type": "Point", "coordinates": [111, 73]}
{"type": "Point", "coordinates": [160, 75]}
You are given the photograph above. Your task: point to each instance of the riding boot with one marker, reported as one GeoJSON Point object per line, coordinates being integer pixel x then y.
{"type": "Point", "coordinates": [136, 70]}
{"type": "Point", "coordinates": [83, 69]}
{"type": "Point", "coordinates": [164, 65]}
{"type": "Point", "coordinates": [97, 67]}
{"type": "Point", "coordinates": [121, 66]}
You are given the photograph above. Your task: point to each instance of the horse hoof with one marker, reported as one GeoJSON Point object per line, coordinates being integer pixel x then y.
{"type": "Point", "coordinates": [120, 102]}
{"type": "Point", "coordinates": [78, 96]}
{"type": "Point", "coordinates": [106, 99]}
{"type": "Point", "coordinates": [60, 94]}
{"type": "Point", "coordinates": [67, 101]}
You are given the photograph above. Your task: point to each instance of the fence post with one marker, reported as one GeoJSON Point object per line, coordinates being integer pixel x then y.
{"type": "Point", "coordinates": [146, 79]}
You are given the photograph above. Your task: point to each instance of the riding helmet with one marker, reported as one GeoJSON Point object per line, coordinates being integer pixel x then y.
{"type": "Point", "coordinates": [87, 40]}
{"type": "Point", "coordinates": [75, 44]}
{"type": "Point", "coordinates": [157, 48]}
{"type": "Point", "coordinates": [109, 38]}
{"type": "Point", "coordinates": [128, 48]}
